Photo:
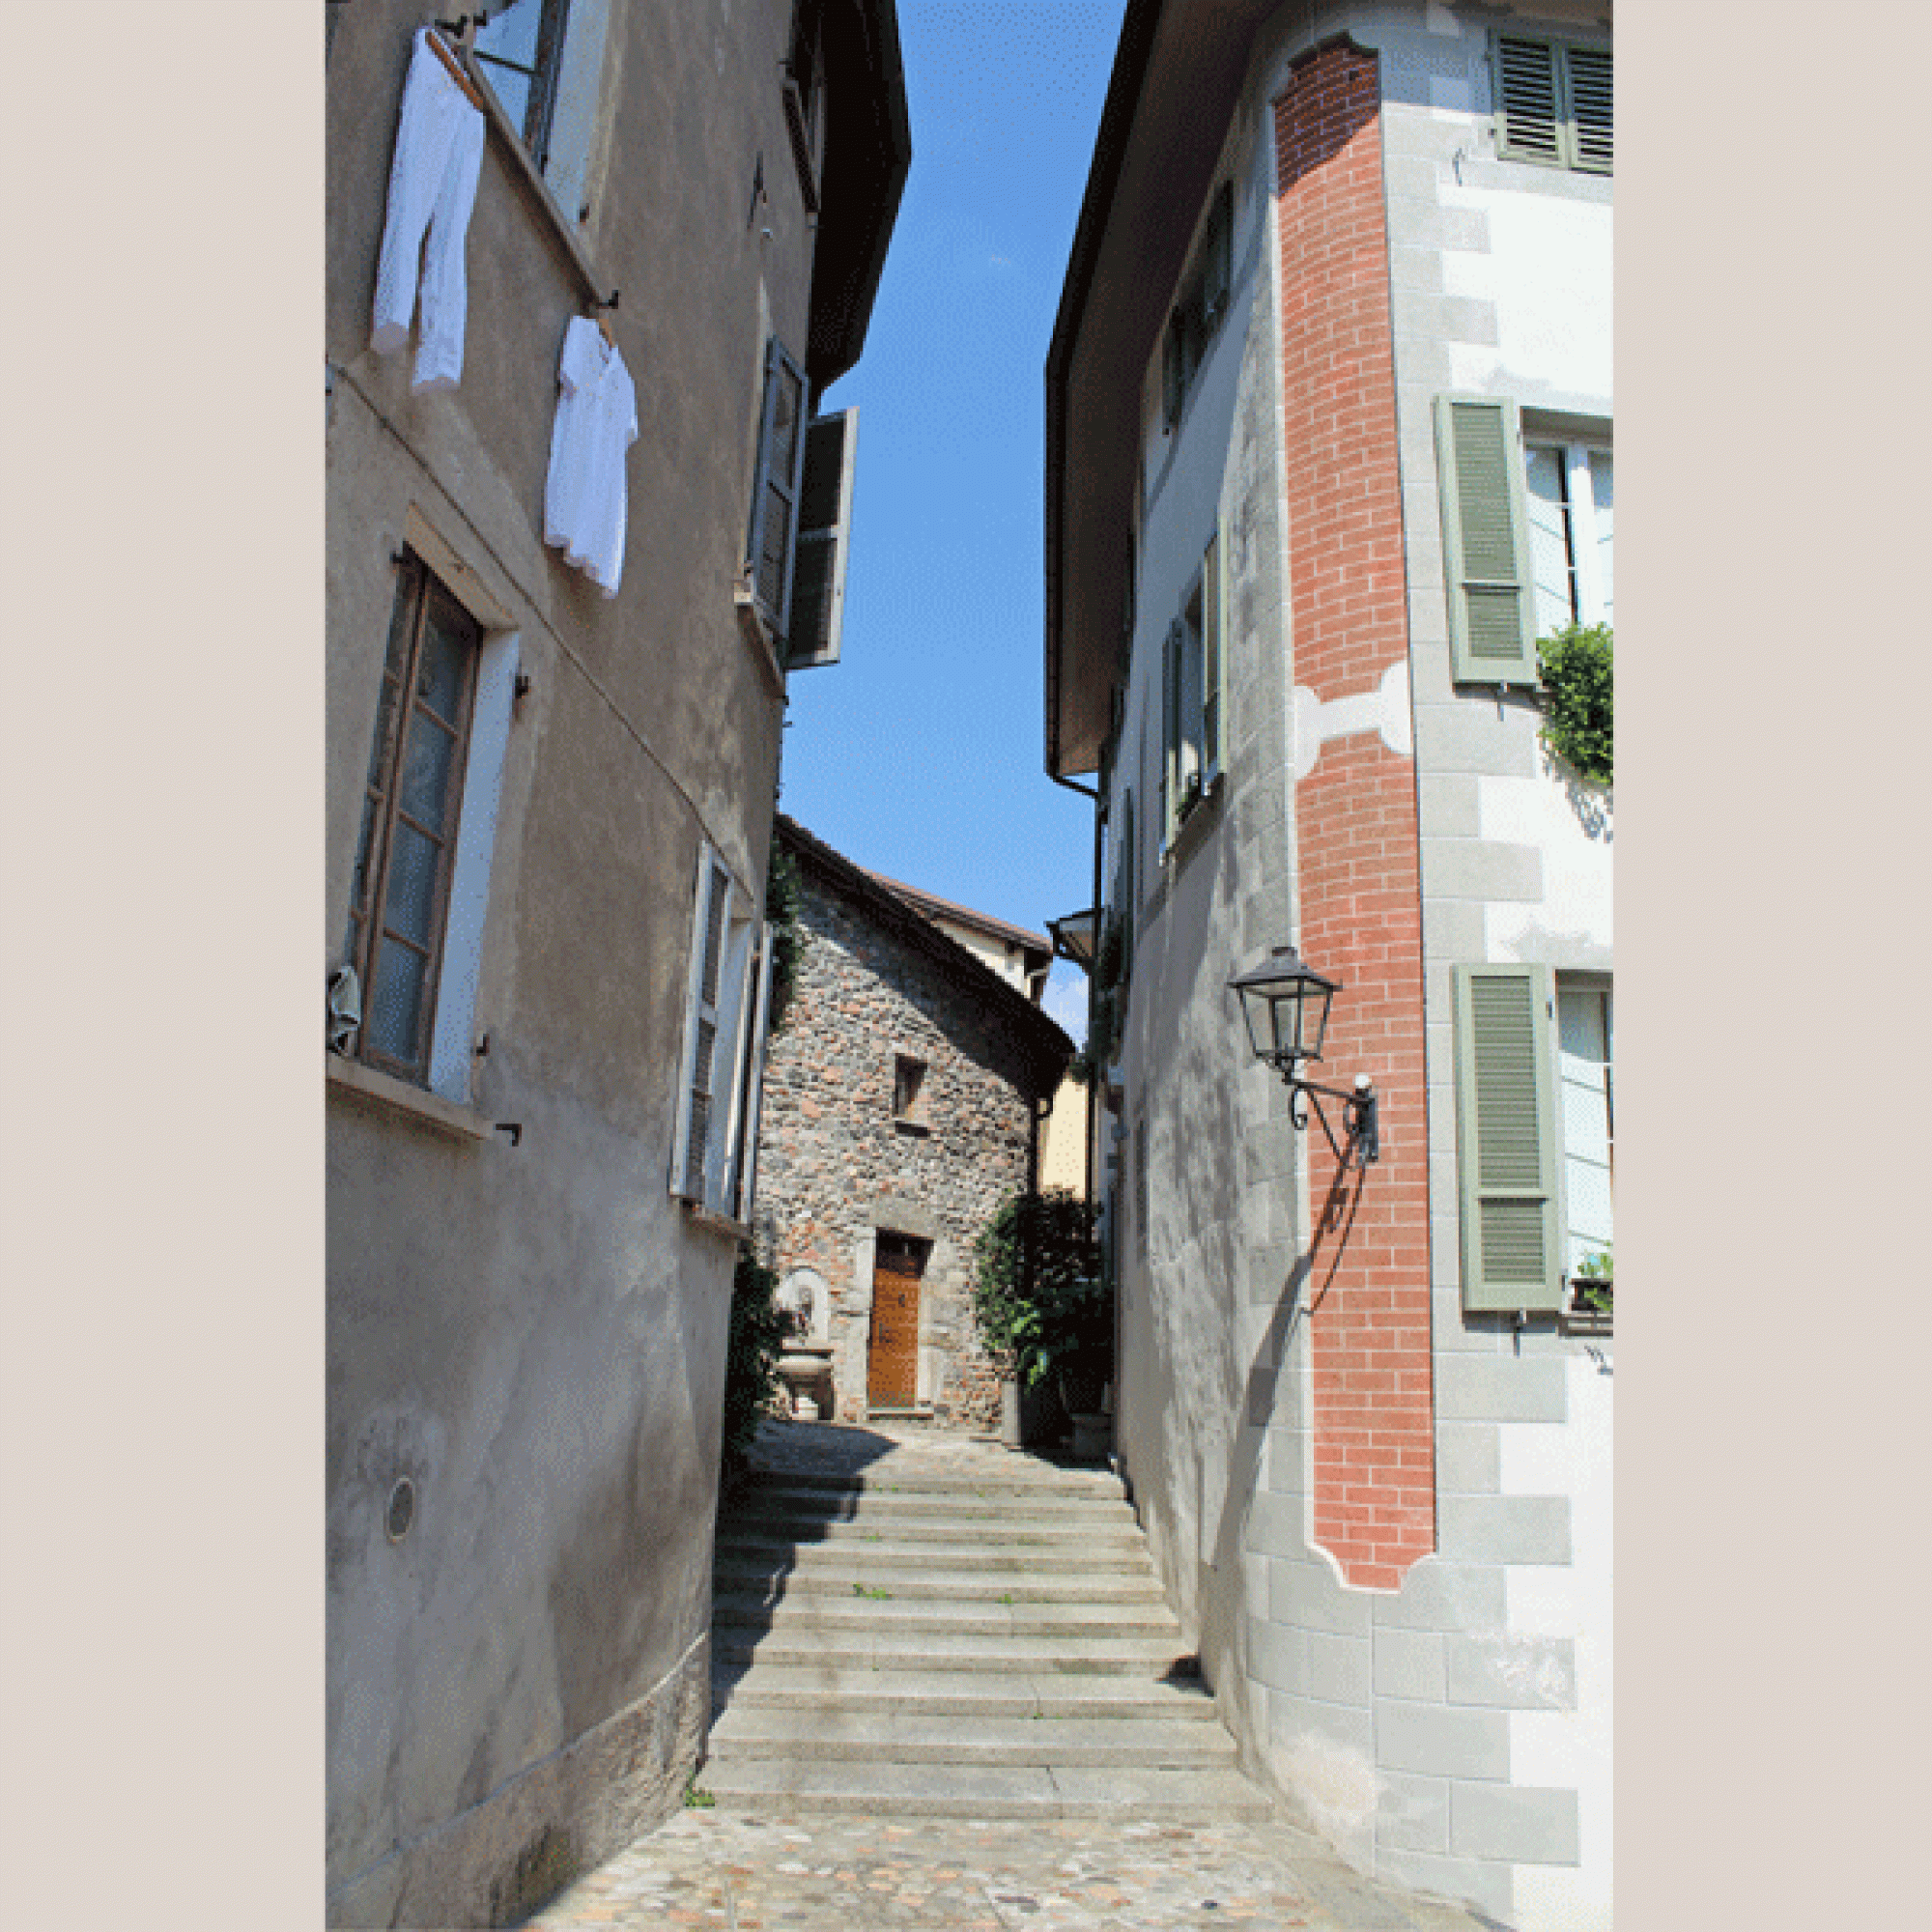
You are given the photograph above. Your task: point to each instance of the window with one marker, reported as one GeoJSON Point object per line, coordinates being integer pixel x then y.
{"type": "Point", "coordinates": [1191, 700]}
{"type": "Point", "coordinates": [803, 93]}
{"type": "Point", "coordinates": [775, 495]}
{"type": "Point", "coordinates": [419, 889]}
{"type": "Point", "coordinates": [543, 59]}
{"type": "Point", "coordinates": [909, 1092]}
{"type": "Point", "coordinates": [714, 1150]}
{"type": "Point", "coordinates": [1572, 545]}
{"type": "Point", "coordinates": [1203, 303]}
{"type": "Point", "coordinates": [1554, 103]}
{"type": "Point", "coordinates": [1528, 536]}
{"type": "Point", "coordinates": [1585, 1047]}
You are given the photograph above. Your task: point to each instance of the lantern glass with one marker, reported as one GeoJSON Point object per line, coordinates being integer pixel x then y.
{"type": "Point", "coordinates": [1286, 1005]}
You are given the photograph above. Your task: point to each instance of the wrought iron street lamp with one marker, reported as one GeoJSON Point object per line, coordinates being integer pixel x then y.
{"type": "Point", "coordinates": [1285, 1002]}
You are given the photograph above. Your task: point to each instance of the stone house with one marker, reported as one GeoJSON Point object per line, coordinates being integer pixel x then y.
{"type": "Point", "coordinates": [1329, 434]}
{"type": "Point", "coordinates": [903, 1101]}
{"type": "Point", "coordinates": [553, 721]}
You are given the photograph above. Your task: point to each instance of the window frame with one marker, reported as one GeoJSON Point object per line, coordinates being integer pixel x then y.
{"type": "Point", "coordinates": [1571, 150]}
{"type": "Point", "coordinates": [461, 910]}
{"type": "Point", "coordinates": [1582, 536]}
{"type": "Point", "coordinates": [570, 57]}
{"type": "Point", "coordinates": [1200, 306]}
{"type": "Point", "coordinates": [912, 1092]}
{"type": "Point", "coordinates": [1193, 696]}
{"type": "Point", "coordinates": [1601, 988]}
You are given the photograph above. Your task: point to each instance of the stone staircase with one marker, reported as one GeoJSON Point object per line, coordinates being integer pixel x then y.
{"type": "Point", "coordinates": [987, 1644]}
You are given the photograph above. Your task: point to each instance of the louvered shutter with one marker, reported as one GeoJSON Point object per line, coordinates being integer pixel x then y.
{"type": "Point", "coordinates": [1217, 256]}
{"type": "Point", "coordinates": [701, 1083]}
{"type": "Point", "coordinates": [824, 527]}
{"type": "Point", "coordinates": [1591, 130]}
{"type": "Point", "coordinates": [745, 1160]}
{"type": "Point", "coordinates": [775, 499]}
{"type": "Point", "coordinates": [1170, 717]}
{"type": "Point", "coordinates": [1529, 115]}
{"type": "Point", "coordinates": [1484, 541]}
{"type": "Point", "coordinates": [1506, 1122]}
{"type": "Point", "coordinates": [1212, 674]}
{"type": "Point", "coordinates": [1173, 378]}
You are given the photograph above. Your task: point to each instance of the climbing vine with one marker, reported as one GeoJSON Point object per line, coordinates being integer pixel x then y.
{"type": "Point", "coordinates": [1579, 722]}
{"type": "Point", "coordinates": [753, 1343]}
{"type": "Point", "coordinates": [783, 893]}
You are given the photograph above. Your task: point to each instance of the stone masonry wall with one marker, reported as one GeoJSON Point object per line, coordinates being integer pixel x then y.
{"type": "Point", "coordinates": [836, 1169]}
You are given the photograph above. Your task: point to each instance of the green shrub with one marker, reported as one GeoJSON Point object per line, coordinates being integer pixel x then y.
{"type": "Point", "coordinates": [1037, 1293]}
{"type": "Point", "coordinates": [1579, 722]}
{"type": "Point", "coordinates": [754, 1345]}
{"type": "Point", "coordinates": [783, 894]}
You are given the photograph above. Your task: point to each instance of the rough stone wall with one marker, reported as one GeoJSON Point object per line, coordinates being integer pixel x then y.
{"type": "Point", "coordinates": [836, 1169]}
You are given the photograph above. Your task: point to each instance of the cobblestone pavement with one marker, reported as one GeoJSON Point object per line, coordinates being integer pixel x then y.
{"type": "Point", "coordinates": [841, 1873]}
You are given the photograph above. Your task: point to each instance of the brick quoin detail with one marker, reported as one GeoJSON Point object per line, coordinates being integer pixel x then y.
{"type": "Point", "coordinates": [1360, 868]}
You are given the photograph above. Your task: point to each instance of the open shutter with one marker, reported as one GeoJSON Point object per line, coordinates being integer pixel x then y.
{"type": "Point", "coordinates": [824, 536]}
{"type": "Point", "coordinates": [1217, 257]}
{"type": "Point", "coordinates": [1170, 732]}
{"type": "Point", "coordinates": [1484, 541]}
{"type": "Point", "coordinates": [1591, 125]}
{"type": "Point", "coordinates": [1173, 378]}
{"type": "Point", "coordinates": [1529, 119]}
{"type": "Point", "coordinates": [746, 1162]}
{"type": "Point", "coordinates": [1506, 1122]}
{"type": "Point", "coordinates": [737, 992]}
{"type": "Point", "coordinates": [702, 1020]}
{"type": "Point", "coordinates": [1213, 679]}
{"type": "Point", "coordinates": [775, 499]}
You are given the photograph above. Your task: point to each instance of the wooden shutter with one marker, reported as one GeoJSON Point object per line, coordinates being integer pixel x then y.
{"type": "Point", "coordinates": [1173, 378]}
{"type": "Point", "coordinates": [1484, 541]}
{"type": "Point", "coordinates": [700, 1084]}
{"type": "Point", "coordinates": [744, 1162]}
{"type": "Point", "coordinates": [1170, 724]}
{"type": "Point", "coordinates": [1591, 130]}
{"type": "Point", "coordinates": [1529, 115]}
{"type": "Point", "coordinates": [1213, 678]}
{"type": "Point", "coordinates": [775, 498]}
{"type": "Point", "coordinates": [1217, 257]}
{"type": "Point", "coordinates": [1506, 1124]}
{"type": "Point", "coordinates": [824, 536]}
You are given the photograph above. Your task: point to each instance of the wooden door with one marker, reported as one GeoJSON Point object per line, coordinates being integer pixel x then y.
{"type": "Point", "coordinates": [892, 1369]}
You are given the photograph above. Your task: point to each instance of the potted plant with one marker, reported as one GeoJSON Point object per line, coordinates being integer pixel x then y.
{"type": "Point", "coordinates": [1592, 1287]}
{"type": "Point", "coordinates": [1043, 1308]}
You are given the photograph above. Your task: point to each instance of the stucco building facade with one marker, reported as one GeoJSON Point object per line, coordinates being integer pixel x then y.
{"type": "Point", "coordinates": [1329, 446]}
{"type": "Point", "coordinates": [544, 885]}
{"type": "Point", "coordinates": [903, 1101]}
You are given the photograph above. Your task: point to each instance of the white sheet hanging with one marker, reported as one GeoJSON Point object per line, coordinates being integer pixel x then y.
{"type": "Point", "coordinates": [432, 190]}
{"type": "Point", "coordinates": [585, 501]}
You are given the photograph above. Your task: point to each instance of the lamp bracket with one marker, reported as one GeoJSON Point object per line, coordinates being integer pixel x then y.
{"type": "Point", "coordinates": [1361, 1115]}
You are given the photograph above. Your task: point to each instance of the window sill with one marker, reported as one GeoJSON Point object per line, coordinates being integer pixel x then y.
{"type": "Point", "coordinates": [1189, 834]}
{"type": "Point", "coordinates": [917, 1128]}
{"type": "Point", "coordinates": [415, 1105]}
{"type": "Point", "coordinates": [759, 639]}
{"type": "Point", "coordinates": [714, 1223]}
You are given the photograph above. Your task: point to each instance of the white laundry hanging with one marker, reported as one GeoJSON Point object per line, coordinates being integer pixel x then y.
{"type": "Point", "coordinates": [585, 501]}
{"type": "Point", "coordinates": [432, 190]}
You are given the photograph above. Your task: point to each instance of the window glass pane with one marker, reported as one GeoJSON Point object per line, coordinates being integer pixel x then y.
{"type": "Point", "coordinates": [1602, 495]}
{"type": "Point", "coordinates": [1548, 539]}
{"type": "Point", "coordinates": [446, 659]}
{"type": "Point", "coordinates": [511, 37]}
{"type": "Point", "coordinates": [410, 900]}
{"type": "Point", "coordinates": [1583, 1051]}
{"type": "Point", "coordinates": [426, 773]}
{"type": "Point", "coordinates": [393, 1017]}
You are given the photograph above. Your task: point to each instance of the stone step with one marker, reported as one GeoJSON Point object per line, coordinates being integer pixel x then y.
{"type": "Point", "coordinates": [993, 1531]}
{"type": "Point", "coordinates": [897, 1647]}
{"type": "Point", "coordinates": [1124, 1556]}
{"type": "Point", "coordinates": [748, 1732]}
{"type": "Point", "coordinates": [919, 1617]}
{"type": "Point", "coordinates": [982, 1791]}
{"type": "Point", "coordinates": [820, 1685]}
{"type": "Point", "coordinates": [964, 1506]}
{"type": "Point", "coordinates": [734, 1577]}
{"type": "Point", "coordinates": [1047, 1482]}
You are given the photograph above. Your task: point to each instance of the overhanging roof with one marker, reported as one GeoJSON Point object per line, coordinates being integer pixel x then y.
{"type": "Point", "coordinates": [1177, 78]}
{"type": "Point", "coordinates": [868, 155]}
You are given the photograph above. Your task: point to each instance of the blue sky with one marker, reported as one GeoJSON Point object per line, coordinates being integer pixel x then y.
{"type": "Point", "coordinates": [920, 755]}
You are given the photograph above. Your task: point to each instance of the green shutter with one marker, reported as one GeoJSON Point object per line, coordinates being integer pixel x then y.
{"type": "Point", "coordinates": [1484, 541]}
{"type": "Point", "coordinates": [1506, 1129]}
{"type": "Point", "coordinates": [1591, 130]}
{"type": "Point", "coordinates": [1212, 677]}
{"type": "Point", "coordinates": [824, 541]}
{"type": "Point", "coordinates": [1170, 722]}
{"type": "Point", "coordinates": [1530, 113]}
{"type": "Point", "coordinates": [774, 533]}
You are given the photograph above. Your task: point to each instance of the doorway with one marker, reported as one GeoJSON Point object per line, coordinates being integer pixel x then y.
{"type": "Point", "coordinates": [892, 1362]}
